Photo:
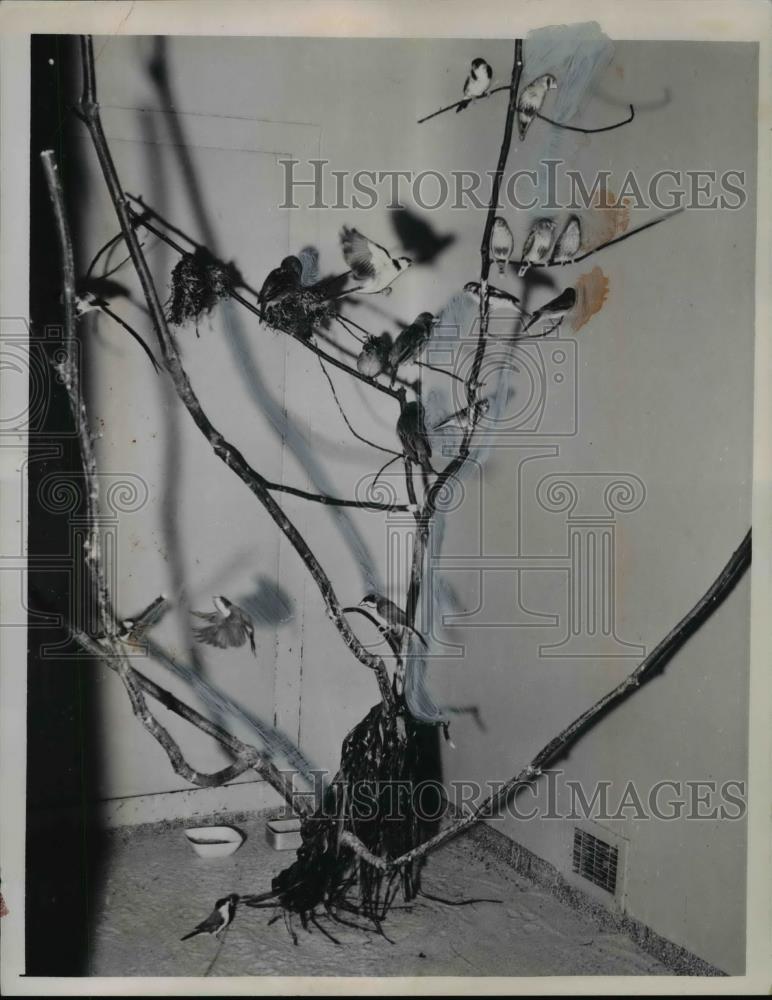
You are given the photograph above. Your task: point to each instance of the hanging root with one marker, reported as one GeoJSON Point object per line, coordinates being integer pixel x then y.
{"type": "Point", "coordinates": [371, 797]}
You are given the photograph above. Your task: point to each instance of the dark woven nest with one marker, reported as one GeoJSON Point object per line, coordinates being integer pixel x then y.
{"type": "Point", "coordinates": [198, 282]}
{"type": "Point", "coordinates": [300, 312]}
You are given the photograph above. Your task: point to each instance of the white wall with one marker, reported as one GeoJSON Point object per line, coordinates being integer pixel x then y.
{"type": "Point", "coordinates": [663, 380]}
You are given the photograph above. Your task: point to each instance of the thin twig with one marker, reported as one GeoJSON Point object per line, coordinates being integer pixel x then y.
{"type": "Point", "coordinates": [129, 329]}
{"type": "Point", "coordinates": [364, 440]}
{"type": "Point", "coordinates": [588, 253]}
{"type": "Point", "coordinates": [588, 131]}
{"type": "Point", "coordinates": [247, 755]}
{"type": "Point", "coordinates": [102, 250]}
{"type": "Point", "coordinates": [344, 323]}
{"type": "Point", "coordinates": [472, 382]}
{"type": "Point", "coordinates": [224, 450]}
{"type": "Point", "coordinates": [110, 650]}
{"type": "Point", "coordinates": [550, 121]}
{"type": "Point", "coordinates": [238, 297]}
{"type": "Point", "coordinates": [334, 501]}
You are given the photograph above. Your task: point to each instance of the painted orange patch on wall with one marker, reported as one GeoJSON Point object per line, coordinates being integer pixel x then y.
{"type": "Point", "coordinates": [591, 293]}
{"type": "Point", "coordinates": [608, 218]}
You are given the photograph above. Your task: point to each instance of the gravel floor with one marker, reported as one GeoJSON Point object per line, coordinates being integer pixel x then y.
{"type": "Point", "coordinates": [156, 889]}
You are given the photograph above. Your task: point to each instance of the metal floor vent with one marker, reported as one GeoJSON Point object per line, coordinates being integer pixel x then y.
{"type": "Point", "coordinates": [595, 860]}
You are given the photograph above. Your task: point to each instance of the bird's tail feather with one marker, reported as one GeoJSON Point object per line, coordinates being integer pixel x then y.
{"type": "Point", "coordinates": [192, 934]}
{"type": "Point", "coordinates": [501, 264]}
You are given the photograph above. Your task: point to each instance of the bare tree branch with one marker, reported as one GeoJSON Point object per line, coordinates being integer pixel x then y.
{"type": "Point", "coordinates": [347, 422]}
{"type": "Point", "coordinates": [110, 650]}
{"type": "Point", "coordinates": [550, 121]}
{"type": "Point", "coordinates": [609, 243]}
{"type": "Point", "coordinates": [649, 668]}
{"type": "Point", "coordinates": [139, 220]}
{"type": "Point", "coordinates": [472, 386]}
{"type": "Point", "coordinates": [89, 110]}
{"type": "Point", "coordinates": [249, 758]}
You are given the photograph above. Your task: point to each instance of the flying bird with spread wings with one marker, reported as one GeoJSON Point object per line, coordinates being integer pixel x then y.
{"type": "Point", "coordinates": [227, 626]}
{"type": "Point", "coordinates": [370, 264]}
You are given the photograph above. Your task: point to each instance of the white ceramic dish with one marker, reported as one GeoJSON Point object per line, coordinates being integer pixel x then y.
{"type": "Point", "coordinates": [214, 841]}
{"type": "Point", "coordinates": [283, 834]}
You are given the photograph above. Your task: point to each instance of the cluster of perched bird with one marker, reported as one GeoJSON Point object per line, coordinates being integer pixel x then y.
{"type": "Point", "coordinates": [541, 245]}
{"type": "Point", "coordinates": [371, 269]}
{"type": "Point", "coordinates": [529, 103]}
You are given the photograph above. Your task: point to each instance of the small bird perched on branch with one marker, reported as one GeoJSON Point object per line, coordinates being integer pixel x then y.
{"type": "Point", "coordinates": [538, 244]}
{"type": "Point", "coordinates": [555, 311]}
{"type": "Point", "coordinates": [502, 243]}
{"type": "Point", "coordinates": [411, 342]}
{"type": "Point", "coordinates": [531, 100]}
{"type": "Point", "coordinates": [392, 616]}
{"type": "Point", "coordinates": [477, 83]}
{"type": "Point", "coordinates": [374, 356]}
{"type": "Point", "coordinates": [495, 295]}
{"type": "Point", "coordinates": [228, 626]}
{"type": "Point", "coordinates": [282, 281]}
{"type": "Point", "coordinates": [568, 243]}
{"type": "Point", "coordinates": [411, 429]}
{"type": "Point", "coordinates": [133, 630]}
{"type": "Point", "coordinates": [370, 263]}
{"type": "Point", "coordinates": [220, 917]}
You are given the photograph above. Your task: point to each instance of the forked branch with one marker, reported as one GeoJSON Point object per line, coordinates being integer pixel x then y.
{"type": "Point", "coordinates": [109, 649]}
{"type": "Point", "coordinates": [228, 453]}
{"type": "Point", "coordinates": [649, 668]}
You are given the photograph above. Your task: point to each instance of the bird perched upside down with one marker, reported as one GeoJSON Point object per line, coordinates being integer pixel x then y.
{"type": "Point", "coordinates": [392, 616]}
{"type": "Point", "coordinates": [371, 265]}
{"type": "Point", "coordinates": [477, 83]}
{"type": "Point", "coordinates": [220, 917]}
{"type": "Point", "coordinates": [411, 430]}
{"type": "Point", "coordinates": [228, 626]}
{"type": "Point", "coordinates": [411, 342]}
